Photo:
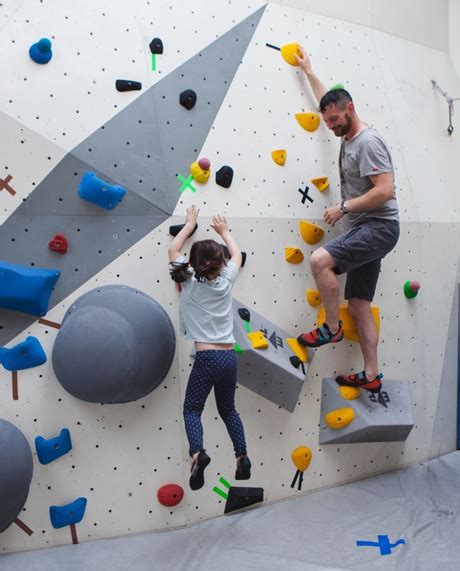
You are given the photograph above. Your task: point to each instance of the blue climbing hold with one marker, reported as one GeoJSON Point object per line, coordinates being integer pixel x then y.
{"type": "Point", "coordinates": [54, 448]}
{"type": "Point", "coordinates": [69, 514]}
{"type": "Point", "coordinates": [26, 289]}
{"type": "Point", "coordinates": [41, 52]}
{"type": "Point", "coordinates": [24, 355]}
{"type": "Point", "coordinates": [99, 192]}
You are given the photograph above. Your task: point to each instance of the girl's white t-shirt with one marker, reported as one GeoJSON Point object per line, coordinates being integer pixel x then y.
{"type": "Point", "coordinates": [205, 308]}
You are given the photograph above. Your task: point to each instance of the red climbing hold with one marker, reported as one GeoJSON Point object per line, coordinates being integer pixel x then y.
{"type": "Point", "coordinates": [59, 244]}
{"type": "Point", "coordinates": [170, 495]}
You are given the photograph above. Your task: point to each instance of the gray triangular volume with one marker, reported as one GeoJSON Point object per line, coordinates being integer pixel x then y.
{"type": "Point", "coordinates": [154, 138]}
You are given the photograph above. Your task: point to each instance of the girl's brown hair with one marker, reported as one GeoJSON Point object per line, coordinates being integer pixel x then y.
{"type": "Point", "coordinates": [207, 260]}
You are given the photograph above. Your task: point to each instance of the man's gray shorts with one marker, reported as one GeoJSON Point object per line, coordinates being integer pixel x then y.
{"type": "Point", "coordinates": [358, 253]}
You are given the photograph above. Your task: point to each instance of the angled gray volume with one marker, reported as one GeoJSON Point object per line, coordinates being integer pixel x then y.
{"type": "Point", "coordinates": [267, 372]}
{"type": "Point", "coordinates": [154, 138]}
{"type": "Point", "coordinates": [161, 144]}
{"type": "Point", "coordinates": [383, 417]}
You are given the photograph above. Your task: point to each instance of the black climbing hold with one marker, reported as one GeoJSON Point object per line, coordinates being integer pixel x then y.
{"type": "Point", "coordinates": [176, 228]}
{"type": "Point", "coordinates": [295, 361]}
{"type": "Point", "coordinates": [187, 99]}
{"type": "Point", "coordinates": [227, 256]}
{"type": "Point", "coordinates": [244, 314]}
{"type": "Point", "coordinates": [224, 176]}
{"type": "Point", "coordinates": [128, 85]}
{"type": "Point", "coordinates": [156, 46]}
{"type": "Point", "coordinates": [239, 498]}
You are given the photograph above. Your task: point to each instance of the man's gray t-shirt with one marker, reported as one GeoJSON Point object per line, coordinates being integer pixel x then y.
{"type": "Point", "coordinates": [364, 155]}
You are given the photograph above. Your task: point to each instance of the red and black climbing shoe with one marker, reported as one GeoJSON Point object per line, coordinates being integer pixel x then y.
{"type": "Point", "coordinates": [360, 380]}
{"type": "Point", "coordinates": [243, 468]}
{"type": "Point", "coordinates": [321, 336]}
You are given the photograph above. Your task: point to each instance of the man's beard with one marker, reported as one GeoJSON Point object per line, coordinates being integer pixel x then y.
{"type": "Point", "coordinates": [342, 130]}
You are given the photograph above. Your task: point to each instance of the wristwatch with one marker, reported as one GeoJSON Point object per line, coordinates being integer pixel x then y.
{"type": "Point", "coordinates": [344, 207]}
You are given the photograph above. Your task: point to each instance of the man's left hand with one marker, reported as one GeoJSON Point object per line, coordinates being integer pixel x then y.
{"type": "Point", "coordinates": [333, 215]}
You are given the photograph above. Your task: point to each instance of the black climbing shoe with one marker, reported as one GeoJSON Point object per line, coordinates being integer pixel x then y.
{"type": "Point", "coordinates": [198, 467]}
{"type": "Point", "coordinates": [243, 469]}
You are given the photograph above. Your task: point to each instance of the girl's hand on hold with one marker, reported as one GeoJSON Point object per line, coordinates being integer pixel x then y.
{"type": "Point", "coordinates": [219, 224]}
{"type": "Point", "coordinates": [192, 215]}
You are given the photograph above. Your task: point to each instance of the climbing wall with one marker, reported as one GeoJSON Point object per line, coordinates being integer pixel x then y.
{"type": "Point", "coordinates": [50, 118]}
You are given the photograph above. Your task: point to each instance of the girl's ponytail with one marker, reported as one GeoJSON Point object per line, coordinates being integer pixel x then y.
{"type": "Point", "coordinates": [180, 272]}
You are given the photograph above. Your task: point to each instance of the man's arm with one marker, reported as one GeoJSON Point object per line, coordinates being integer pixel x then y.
{"type": "Point", "coordinates": [304, 63]}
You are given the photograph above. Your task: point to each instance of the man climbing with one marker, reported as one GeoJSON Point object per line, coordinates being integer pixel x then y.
{"type": "Point", "coordinates": [370, 223]}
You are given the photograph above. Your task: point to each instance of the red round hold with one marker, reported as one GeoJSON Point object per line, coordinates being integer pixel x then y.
{"type": "Point", "coordinates": [59, 244]}
{"type": "Point", "coordinates": [170, 495]}
{"type": "Point", "coordinates": [204, 163]}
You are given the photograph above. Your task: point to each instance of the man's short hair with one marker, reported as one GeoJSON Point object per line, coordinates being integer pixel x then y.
{"type": "Point", "coordinates": [339, 97]}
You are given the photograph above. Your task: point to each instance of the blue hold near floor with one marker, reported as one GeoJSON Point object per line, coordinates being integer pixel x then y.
{"type": "Point", "coordinates": [404, 520]}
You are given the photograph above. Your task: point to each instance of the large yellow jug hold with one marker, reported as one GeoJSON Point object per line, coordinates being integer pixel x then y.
{"type": "Point", "coordinates": [348, 323]}
{"type": "Point", "coordinates": [258, 340]}
{"type": "Point", "coordinates": [301, 456]}
{"type": "Point", "coordinates": [340, 417]}
{"type": "Point", "coordinates": [299, 350]}
{"type": "Point", "coordinates": [313, 297]}
{"type": "Point", "coordinates": [201, 170]}
{"type": "Point", "coordinates": [311, 233]}
{"type": "Point", "coordinates": [321, 183]}
{"type": "Point", "coordinates": [293, 255]}
{"type": "Point", "coordinates": [279, 156]}
{"type": "Point", "coordinates": [350, 393]}
{"type": "Point", "coordinates": [288, 51]}
{"type": "Point", "coordinates": [308, 121]}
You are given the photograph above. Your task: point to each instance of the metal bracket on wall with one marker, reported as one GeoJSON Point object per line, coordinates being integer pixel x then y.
{"type": "Point", "coordinates": [450, 102]}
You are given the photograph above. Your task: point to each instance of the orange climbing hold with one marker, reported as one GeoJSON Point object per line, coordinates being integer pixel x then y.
{"type": "Point", "coordinates": [301, 456]}
{"type": "Point", "coordinates": [279, 156]}
{"type": "Point", "coordinates": [199, 173]}
{"type": "Point", "coordinates": [321, 183]}
{"type": "Point", "coordinates": [339, 418]}
{"type": "Point", "coordinates": [288, 51]}
{"type": "Point", "coordinates": [311, 233]}
{"type": "Point", "coordinates": [293, 255]}
{"type": "Point", "coordinates": [258, 340]}
{"type": "Point", "coordinates": [308, 121]}
{"type": "Point", "coordinates": [313, 297]}
{"type": "Point", "coordinates": [348, 323]}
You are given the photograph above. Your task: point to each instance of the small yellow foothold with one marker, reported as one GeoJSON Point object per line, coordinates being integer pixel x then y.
{"type": "Point", "coordinates": [299, 350]}
{"type": "Point", "coordinates": [288, 51]}
{"type": "Point", "coordinates": [279, 156]}
{"type": "Point", "coordinates": [340, 417]}
{"type": "Point", "coordinates": [258, 340]}
{"type": "Point", "coordinates": [311, 233]}
{"type": "Point", "coordinates": [313, 297]}
{"type": "Point", "coordinates": [308, 121]}
{"type": "Point", "coordinates": [293, 255]}
{"type": "Point", "coordinates": [348, 323]}
{"type": "Point", "coordinates": [199, 174]}
{"type": "Point", "coordinates": [350, 393]}
{"type": "Point", "coordinates": [301, 456]}
{"type": "Point", "coordinates": [321, 183]}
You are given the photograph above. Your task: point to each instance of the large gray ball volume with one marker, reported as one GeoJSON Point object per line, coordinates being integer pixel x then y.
{"type": "Point", "coordinates": [116, 344]}
{"type": "Point", "coordinates": [16, 468]}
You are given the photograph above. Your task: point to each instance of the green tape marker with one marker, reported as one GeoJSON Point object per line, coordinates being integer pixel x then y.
{"type": "Point", "coordinates": [187, 183]}
{"type": "Point", "coordinates": [237, 348]}
{"type": "Point", "coordinates": [154, 62]}
{"type": "Point", "coordinates": [224, 482]}
{"type": "Point", "coordinates": [247, 326]}
{"type": "Point", "coordinates": [220, 493]}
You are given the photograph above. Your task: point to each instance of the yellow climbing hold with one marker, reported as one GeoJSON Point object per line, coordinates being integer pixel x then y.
{"type": "Point", "coordinates": [301, 456]}
{"type": "Point", "coordinates": [348, 323]}
{"type": "Point", "coordinates": [258, 340]}
{"type": "Point", "coordinates": [279, 156]}
{"type": "Point", "coordinates": [340, 417]}
{"type": "Point", "coordinates": [313, 297]}
{"type": "Point", "coordinates": [321, 183]}
{"type": "Point", "coordinates": [308, 121]}
{"type": "Point", "coordinates": [311, 233]}
{"type": "Point", "coordinates": [293, 255]}
{"type": "Point", "coordinates": [299, 350]}
{"type": "Point", "coordinates": [350, 393]}
{"type": "Point", "coordinates": [199, 174]}
{"type": "Point", "coordinates": [288, 51]}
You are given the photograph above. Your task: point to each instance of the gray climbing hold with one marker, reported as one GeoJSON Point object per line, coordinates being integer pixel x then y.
{"type": "Point", "coordinates": [116, 344]}
{"type": "Point", "coordinates": [16, 468]}
{"type": "Point", "coordinates": [383, 417]}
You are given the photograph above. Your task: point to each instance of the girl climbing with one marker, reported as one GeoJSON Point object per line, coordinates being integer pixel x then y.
{"type": "Point", "coordinates": [205, 316]}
